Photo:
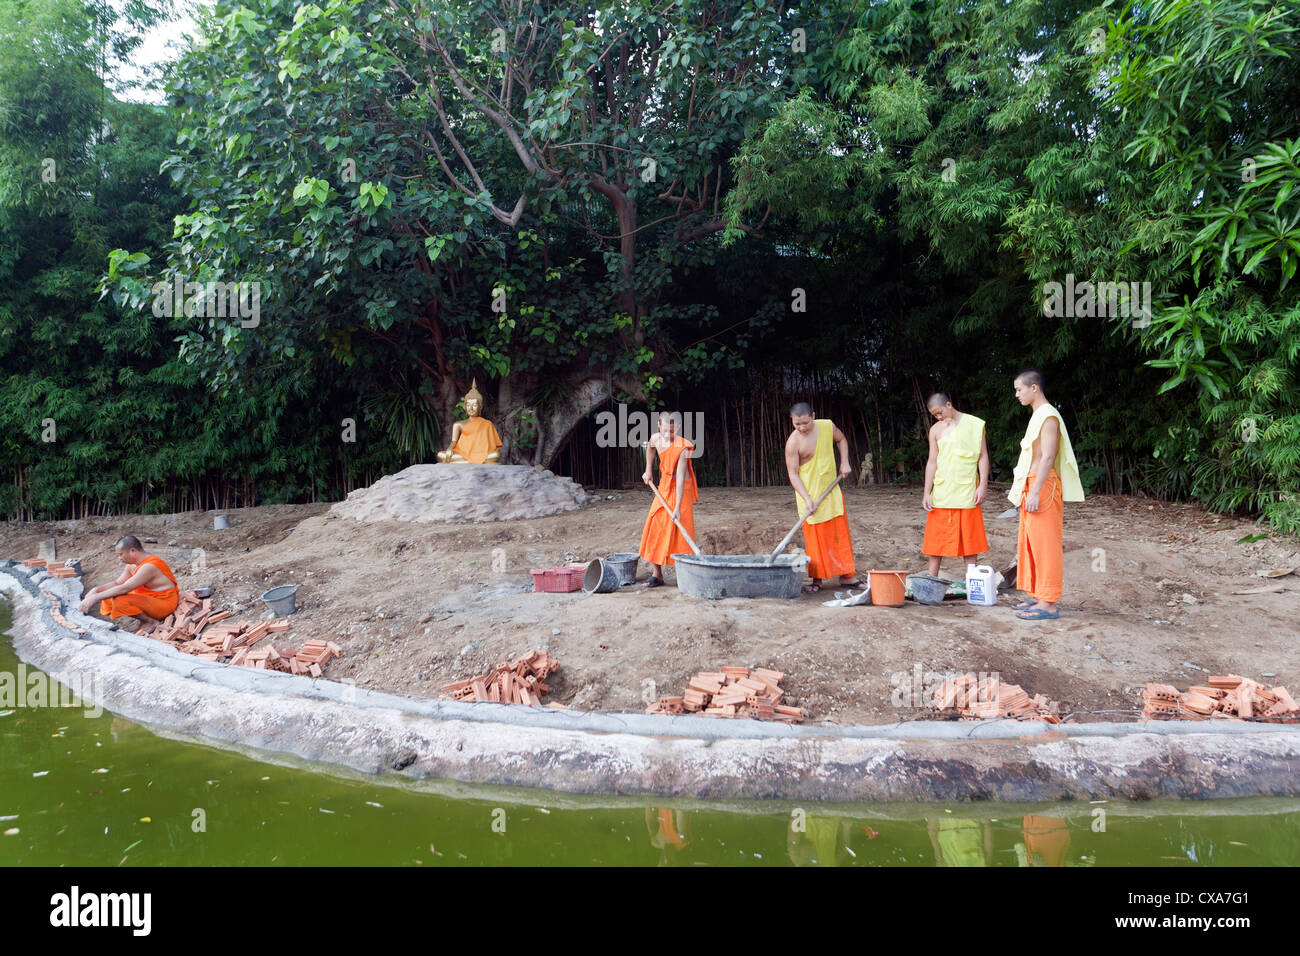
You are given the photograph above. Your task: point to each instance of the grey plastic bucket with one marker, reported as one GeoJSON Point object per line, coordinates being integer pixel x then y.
{"type": "Point", "coordinates": [927, 590]}
{"type": "Point", "coordinates": [220, 523]}
{"type": "Point", "coordinates": [716, 576]}
{"type": "Point", "coordinates": [624, 565]}
{"type": "Point", "coordinates": [280, 600]}
{"type": "Point", "coordinates": [600, 577]}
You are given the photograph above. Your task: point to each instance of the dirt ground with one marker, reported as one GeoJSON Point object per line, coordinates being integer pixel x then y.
{"type": "Point", "coordinates": [1149, 595]}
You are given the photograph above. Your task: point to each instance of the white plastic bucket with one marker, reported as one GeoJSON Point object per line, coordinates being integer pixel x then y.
{"type": "Point", "coordinates": [981, 585]}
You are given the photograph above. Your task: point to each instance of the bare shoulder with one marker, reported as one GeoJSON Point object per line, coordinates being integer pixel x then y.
{"type": "Point", "coordinates": [935, 429]}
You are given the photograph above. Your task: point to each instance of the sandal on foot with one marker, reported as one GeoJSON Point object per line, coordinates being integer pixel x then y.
{"type": "Point", "coordinates": [811, 588]}
{"type": "Point", "coordinates": [857, 583]}
{"type": "Point", "coordinates": [654, 582]}
{"type": "Point", "coordinates": [1038, 614]}
{"type": "Point", "coordinates": [1024, 605]}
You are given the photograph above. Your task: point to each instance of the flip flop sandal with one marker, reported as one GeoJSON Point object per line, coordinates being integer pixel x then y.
{"type": "Point", "coordinates": [859, 583]}
{"type": "Point", "coordinates": [1038, 614]}
{"type": "Point", "coordinates": [1023, 605]}
{"type": "Point", "coordinates": [811, 588]}
{"type": "Point", "coordinates": [654, 583]}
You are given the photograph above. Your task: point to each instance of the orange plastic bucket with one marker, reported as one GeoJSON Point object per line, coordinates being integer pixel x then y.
{"type": "Point", "coordinates": [887, 588]}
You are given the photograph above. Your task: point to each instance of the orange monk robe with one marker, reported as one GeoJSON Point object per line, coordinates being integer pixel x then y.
{"type": "Point", "coordinates": [954, 533]}
{"type": "Point", "coordinates": [660, 538]}
{"type": "Point", "coordinates": [1040, 553]}
{"type": "Point", "coordinates": [157, 604]}
{"type": "Point", "coordinates": [478, 439]}
{"type": "Point", "coordinates": [1047, 840]}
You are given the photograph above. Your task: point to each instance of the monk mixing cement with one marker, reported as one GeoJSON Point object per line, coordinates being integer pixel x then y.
{"type": "Point", "coordinates": [810, 465]}
{"type": "Point", "coordinates": [661, 538]}
{"type": "Point", "coordinates": [144, 594]}
{"type": "Point", "coordinates": [956, 482]}
{"type": "Point", "coordinates": [1046, 477]}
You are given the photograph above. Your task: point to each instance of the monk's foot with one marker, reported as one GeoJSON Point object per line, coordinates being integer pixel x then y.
{"type": "Point", "coordinates": [654, 582]}
{"type": "Point", "coordinates": [1025, 605]}
{"type": "Point", "coordinates": [1039, 612]}
{"type": "Point", "coordinates": [852, 582]}
{"type": "Point", "coordinates": [812, 588]}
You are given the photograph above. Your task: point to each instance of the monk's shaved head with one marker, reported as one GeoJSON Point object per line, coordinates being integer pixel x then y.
{"type": "Point", "coordinates": [937, 400]}
{"type": "Point", "coordinates": [129, 542]}
{"type": "Point", "coordinates": [799, 409]}
{"type": "Point", "coordinates": [1031, 377]}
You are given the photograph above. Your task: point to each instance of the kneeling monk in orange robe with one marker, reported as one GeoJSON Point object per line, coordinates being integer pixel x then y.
{"type": "Point", "coordinates": [144, 594]}
{"type": "Point", "coordinates": [661, 538]}
{"type": "Point", "coordinates": [810, 464]}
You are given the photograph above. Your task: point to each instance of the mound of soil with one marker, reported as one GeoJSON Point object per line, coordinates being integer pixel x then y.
{"type": "Point", "coordinates": [463, 493]}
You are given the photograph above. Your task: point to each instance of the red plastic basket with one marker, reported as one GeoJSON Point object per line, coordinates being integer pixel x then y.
{"type": "Point", "coordinates": [558, 580]}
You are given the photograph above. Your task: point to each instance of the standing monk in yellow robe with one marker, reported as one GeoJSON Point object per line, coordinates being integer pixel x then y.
{"type": "Point", "coordinates": [661, 538]}
{"type": "Point", "coordinates": [1046, 477]}
{"type": "Point", "coordinates": [810, 465]}
{"type": "Point", "coordinates": [144, 594]}
{"type": "Point", "coordinates": [956, 481]}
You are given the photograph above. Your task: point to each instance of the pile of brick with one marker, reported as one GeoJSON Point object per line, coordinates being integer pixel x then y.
{"type": "Point", "coordinates": [991, 698]}
{"type": "Point", "coordinates": [1231, 697]}
{"type": "Point", "coordinates": [54, 570]}
{"type": "Point", "coordinates": [519, 682]}
{"type": "Point", "coordinates": [193, 628]}
{"type": "Point", "coordinates": [731, 692]}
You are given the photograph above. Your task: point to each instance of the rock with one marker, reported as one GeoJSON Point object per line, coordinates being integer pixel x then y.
{"type": "Point", "coordinates": [149, 541]}
{"type": "Point", "coordinates": [1188, 599]}
{"type": "Point", "coordinates": [172, 544]}
{"type": "Point", "coordinates": [463, 493]}
{"type": "Point", "coordinates": [555, 630]}
{"type": "Point", "coordinates": [425, 618]}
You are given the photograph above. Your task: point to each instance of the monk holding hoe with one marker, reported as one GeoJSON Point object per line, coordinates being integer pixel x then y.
{"type": "Point", "coordinates": [956, 482]}
{"type": "Point", "coordinates": [144, 594]}
{"type": "Point", "coordinates": [810, 465]}
{"type": "Point", "coordinates": [1046, 477]}
{"type": "Point", "coordinates": [661, 538]}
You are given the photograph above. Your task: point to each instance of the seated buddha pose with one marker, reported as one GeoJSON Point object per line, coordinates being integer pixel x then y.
{"type": "Point", "coordinates": [474, 441]}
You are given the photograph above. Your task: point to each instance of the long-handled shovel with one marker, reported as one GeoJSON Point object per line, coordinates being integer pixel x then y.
{"type": "Point", "coordinates": [817, 504]}
{"type": "Point", "coordinates": [686, 534]}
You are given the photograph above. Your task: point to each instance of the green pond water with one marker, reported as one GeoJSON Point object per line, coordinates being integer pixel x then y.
{"type": "Point", "coordinates": [104, 791]}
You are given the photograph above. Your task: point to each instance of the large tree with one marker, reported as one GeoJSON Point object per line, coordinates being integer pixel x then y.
{"type": "Point", "coordinates": [468, 188]}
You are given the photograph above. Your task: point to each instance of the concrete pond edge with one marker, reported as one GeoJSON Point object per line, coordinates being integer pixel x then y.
{"type": "Point", "coordinates": [326, 722]}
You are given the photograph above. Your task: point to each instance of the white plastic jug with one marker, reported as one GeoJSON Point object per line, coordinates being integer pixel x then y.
{"type": "Point", "coordinates": [981, 585]}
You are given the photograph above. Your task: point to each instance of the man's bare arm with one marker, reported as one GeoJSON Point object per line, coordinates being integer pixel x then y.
{"type": "Point", "coordinates": [982, 490]}
{"type": "Point", "coordinates": [792, 468]}
{"type": "Point", "coordinates": [846, 467]}
{"type": "Point", "coordinates": [931, 468]}
{"type": "Point", "coordinates": [1049, 438]}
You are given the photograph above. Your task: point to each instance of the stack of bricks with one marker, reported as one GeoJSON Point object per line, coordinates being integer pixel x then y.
{"type": "Point", "coordinates": [54, 570]}
{"type": "Point", "coordinates": [1230, 697]}
{"type": "Point", "coordinates": [519, 682]}
{"type": "Point", "coordinates": [992, 699]}
{"type": "Point", "coordinates": [194, 628]}
{"type": "Point", "coordinates": [731, 692]}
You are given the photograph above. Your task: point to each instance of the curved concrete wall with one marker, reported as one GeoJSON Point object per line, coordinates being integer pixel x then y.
{"type": "Point", "coordinates": [327, 722]}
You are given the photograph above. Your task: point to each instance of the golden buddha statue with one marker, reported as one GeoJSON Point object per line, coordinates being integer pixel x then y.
{"type": "Point", "coordinates": [474, 441]}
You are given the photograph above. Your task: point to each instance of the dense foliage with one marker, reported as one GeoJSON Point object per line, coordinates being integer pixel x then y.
{"type": "Point", "coordinates": [719, 206]}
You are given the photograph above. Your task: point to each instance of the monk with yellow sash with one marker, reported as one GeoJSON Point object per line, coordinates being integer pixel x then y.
{"type": "Point", "coordinates": [810, 465]}
{"type": "Point", "coordinates": [1046, 477]}
{"type": "Point", "coordinates": [144, 594]}
{"type": "Point", "coordinates": [660, 536]}
{"type": "Point", "coordinates": [956, 482]}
